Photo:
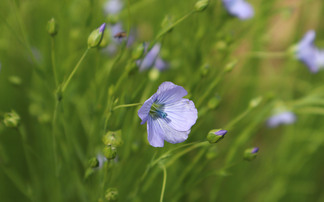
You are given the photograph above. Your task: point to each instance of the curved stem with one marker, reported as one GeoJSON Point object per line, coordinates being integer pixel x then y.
{"type": "Point", "coordinates": [66, 83]}
{"type": "Point", "coordinates": [164, 182]}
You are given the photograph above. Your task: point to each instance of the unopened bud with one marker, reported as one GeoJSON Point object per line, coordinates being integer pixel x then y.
{"type": "Point", "coordinates": [154, 74]}
{"type": "Point", "coordinates": [110, 152]}
{"type": "Point", "coordinates": [216, 135]}
{"type": "Point", "coordinates": [96, 36]}
{"type": "Point", "coordinates": [52, 27]}
{"type": "Point", "coordinates": [111, 194]}
{"type": "Point", "coordinates": [15, 80]}
{"type": "Point", "coordinates": [229, 67]}
{"type": "Point", "coordinates": [138, 52]}
{"type": "Point", "coordinates": [93, 163]}
{"type": "Point", "coordinates": [214, 102]}
{"type": "Point", "coordinates": [113, 138]}
{"type": "Point", "coordinates": [11, 119]}
{"type": "Point", "coordinates": [251, 153]}
{"type": "Point", "coordinates": [255, 102]}
{"type": "Point", "coordinates": [201, 5]}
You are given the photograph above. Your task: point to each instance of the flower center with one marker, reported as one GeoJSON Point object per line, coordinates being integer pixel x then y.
{"type": "Point", "coordinates": [156, 111]}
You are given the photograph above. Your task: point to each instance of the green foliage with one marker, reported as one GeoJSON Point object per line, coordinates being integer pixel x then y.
{"type": "Point", "coordinates": [73, 103]}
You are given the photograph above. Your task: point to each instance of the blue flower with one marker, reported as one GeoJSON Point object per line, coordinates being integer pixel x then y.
{"type": "Point", "coordinates": [285, 117]}
{"type": "Point", "coordinates": [113, 7]}
{"type": "Point", "coordinates": [309, 54]}
{"type": "Point", "coordinates": [152, 59]}
{"type": "Point", "coordinates": [239, 8]}
{"type": "Point", "coordinates": [169, 117]}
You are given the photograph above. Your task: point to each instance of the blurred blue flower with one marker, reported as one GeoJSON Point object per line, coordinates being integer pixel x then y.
{"type": "Point", "coordinates": [285, 117]}
{"type": "Point", "coordinates": [255, 150]}
{"type": "Point", "coordinates": [113, 7]}
{"type": "Point", "coordinates": [239, 8]}
{"type": "Point", "coordinates": [309, 54]}
{"type": "Point", "coordinates": [152, 59]}
{"type": "Point", "coordinates": [169, 117]}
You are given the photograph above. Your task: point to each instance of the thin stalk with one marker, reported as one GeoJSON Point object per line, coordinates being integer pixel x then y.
{"type": "Point", "coordinates": [127, 105]}
{"type": "Point", "coordinates": [66, 83]}
{"type": "Point", "coordinates": [53, 61]}
{"type": "Point", "coordinates": [164, 182]}
{"type": "Point", "coordinates": [54, 137]}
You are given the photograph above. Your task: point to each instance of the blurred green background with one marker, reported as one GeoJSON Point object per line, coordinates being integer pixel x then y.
{"type": "Point", "coordinates": [46, 157]}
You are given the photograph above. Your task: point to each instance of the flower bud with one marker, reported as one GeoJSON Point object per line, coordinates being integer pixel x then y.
{"type": "Point", "coordinates": [138, 51]}
{"type": "Point", "coordinates": [251, 153]}
{"type": "Point", "coordinates": [11, 119]}
{"type": "Point", "coordinates": [93, 162]}
{"type": "Point", "coordinates": [15, 80]}
{"type": "Point", "coordinates": [214, 102]}
{"type": "Point", "coordinates": [229, 67]}
{"type": "Point", "coordinates": [95, 37]}
{"type": "Point", "coordinates": [255, 102]}
{"type": "Point", "coordinates": [110, 152]}
{"type": "Point", "coordinates": [201, 5]}
{"type": "Point", "coordinates": [52, 27]}
{"type": "Point", "coordinates": [216, 135]}
{"type": "Point", "coordinates": [113, 138]}
{"type": "Point", "coordinates": [111, 194]}
{"type": "Point", "coordinates": [154, 74]}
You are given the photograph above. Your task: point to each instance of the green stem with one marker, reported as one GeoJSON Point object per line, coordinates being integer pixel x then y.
{"type": "Point", "coordinates": [127, 105]}
{"type": "Point", "coordinates": [210, 88]}
{"type": "Point", "coordinates": [66, 83]}
{"type": "Point", "coordinates": [53, 61]}
{"type": "Point", "coordinates": [53, 136]}
{"type": "Point", "coordinates": [164, 182]}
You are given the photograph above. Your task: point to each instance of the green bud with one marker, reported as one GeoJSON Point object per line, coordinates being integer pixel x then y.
{"type": "Point", "coordinates": [93, 162]}
{"type": "Point", "coordinates": [167, 23]}
{"type": "Point", "coordinates": [113, 138]}
{"type": "Point", "coordinates": [251, 153]}
{"type": "Point", "coordinates": [15, 80]}
{"type": "Point", "coordinates": [221, 45]}
{"type": "Point", "coordinates": [216, 135]}
{"type": "Point", "coordinates": [11, 119]}
{"type": "Point", "coordinates": [201, 5]}
{"type": "Point", "coordinates": [255, 102]}
{"type": "Point", "coordinates": [52, 27]}
{"type": "Point", "coordinates": [110, 152]}
{"type": "Point", "coordinates": [229, 67]}
{"type": "Point", "coordinates": [138, 52]}
{"type": "Point", "coordinates": [96, 36]}
{"type": "Point", "coordinates": [204, 69]}
{"type": "Point", "coordinates": [111, 194]}
{"type": "Point", "coordinates": [154, 74]}
{"type": "Point", "coordinates": [214, 102]}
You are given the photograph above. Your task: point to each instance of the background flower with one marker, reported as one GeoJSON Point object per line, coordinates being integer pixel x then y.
{"type": "Point", "coordinates": [239, 8]}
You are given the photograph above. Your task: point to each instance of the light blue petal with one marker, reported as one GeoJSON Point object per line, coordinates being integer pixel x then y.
{"type": "Point", "coordinates": [150, 58]}
{"type": "Point", "coordinates": [307, 40]}
{"type": "Point", "coordinates": [144, 111]}
{"type": "Point", "coordinates": [154, 133]}
{"type": "Point", "coordinates": [161, 64]}
{"type": "Point", "coordinates": [113, 6]}
{"type": "Point", "coordinates": [286, 117]}
{"type": "Point", "coordinates": [320, 58]}
{"type": "Point", "coordinates": [168, 133]}
{"type": "Point", "coordinates": [169, 93]}
{"type": "Point", "coordinates": [181, 115]}
{"type": "Point", "coordinates": [239, 8]}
